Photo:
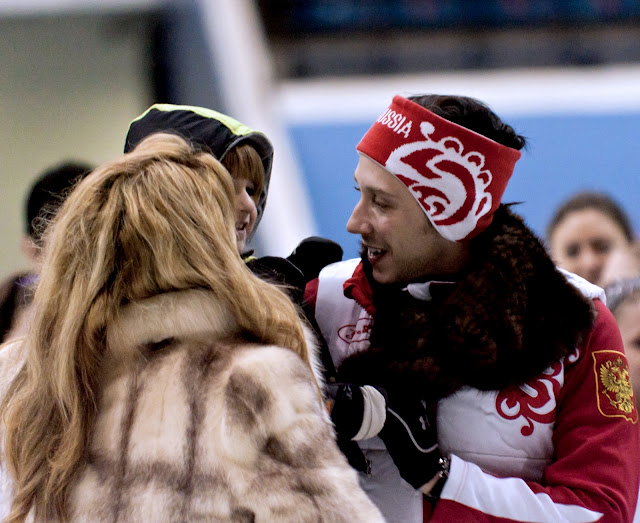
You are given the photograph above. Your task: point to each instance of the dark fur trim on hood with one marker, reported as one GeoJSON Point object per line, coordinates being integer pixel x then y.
{"type": "Point", "coordinates": [510, 316]}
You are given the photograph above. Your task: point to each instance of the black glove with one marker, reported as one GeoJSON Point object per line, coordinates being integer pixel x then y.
{"type": "Point", "coordinates": [347, 406]}
{"type": "Point", "coordinates": [313, 254]}
{"type": "Point", "coordinates": [300, 267]}
{"type": "Point", "coordinates": [411, 439]}
{"type": "Point", "coordinates": [281, 272]}
{"type": "Point", "coordinates": [408, 433]}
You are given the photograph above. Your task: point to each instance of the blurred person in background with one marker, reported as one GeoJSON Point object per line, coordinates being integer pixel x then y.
{"type": "Point", "coordinates": [623, 262]}
{"type": "Point", "coordinates": [160, 379]}
{"type": "Point", "coordinates": [43, 201]}
{"type": "Point", "coordinates": [248, 156]}
{"type": "Point", "coordinates": [622, 288]}
{"type": "Point", "coordinates": [585, 230]}
{"type": "Point", "coordinates": [621, 277]}
{"type": "Point", "coordinates": [475, 380]}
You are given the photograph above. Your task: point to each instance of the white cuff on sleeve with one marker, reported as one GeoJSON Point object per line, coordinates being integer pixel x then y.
{"type": "Point", "coordinates": [375, 413]}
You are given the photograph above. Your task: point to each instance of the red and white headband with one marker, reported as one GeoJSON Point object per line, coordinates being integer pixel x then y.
{"type": "Point", "coordinates": [457, 175]}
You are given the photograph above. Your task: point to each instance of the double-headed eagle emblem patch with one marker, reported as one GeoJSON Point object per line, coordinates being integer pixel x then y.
{"type": "Point", "coordinates": [615, 394]}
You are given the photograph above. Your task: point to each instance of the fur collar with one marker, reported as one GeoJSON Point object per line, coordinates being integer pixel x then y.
{"type": "Point", "coordinates": [193, 313]}
{"type": "Point", "coordinates": [508, 317]}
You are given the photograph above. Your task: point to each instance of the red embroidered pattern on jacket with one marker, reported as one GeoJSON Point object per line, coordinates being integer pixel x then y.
{"type": "Point", "coordinates": [354, 333]}
{"type": "Point", "coordinates": [534, 401]}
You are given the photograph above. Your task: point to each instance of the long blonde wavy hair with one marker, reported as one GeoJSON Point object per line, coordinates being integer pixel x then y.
{"type": "Point", "coordinates": [158, 219]}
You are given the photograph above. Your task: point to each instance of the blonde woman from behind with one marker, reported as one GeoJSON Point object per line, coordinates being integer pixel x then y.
{"type": "Point", "coordinates": [160, 379]}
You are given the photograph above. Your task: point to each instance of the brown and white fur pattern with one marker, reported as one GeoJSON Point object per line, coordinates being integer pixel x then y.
{"type": "Point", "coordinates": [196, 424]}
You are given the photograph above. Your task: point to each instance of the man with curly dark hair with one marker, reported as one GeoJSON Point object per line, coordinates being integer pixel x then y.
{"type": "Point", "coordinates": [474, 379]}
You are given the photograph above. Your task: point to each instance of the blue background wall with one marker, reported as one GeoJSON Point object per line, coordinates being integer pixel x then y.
{"type": "Point", "coordinates": [565, 154]}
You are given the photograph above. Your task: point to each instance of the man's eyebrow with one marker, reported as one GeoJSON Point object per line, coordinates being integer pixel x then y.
{"type": "Point", "coordinates": [377, 191]}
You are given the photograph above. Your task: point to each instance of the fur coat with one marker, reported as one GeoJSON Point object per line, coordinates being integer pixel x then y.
{"type": "Point", "coordinates": [195, 423]}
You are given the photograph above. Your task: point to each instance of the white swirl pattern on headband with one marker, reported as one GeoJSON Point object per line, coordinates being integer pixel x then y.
{"type": "Point", "coordinates": [454, 206]}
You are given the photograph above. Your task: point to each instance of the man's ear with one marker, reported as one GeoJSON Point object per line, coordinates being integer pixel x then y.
{"type": "Point", "coordinates": [29, 248]}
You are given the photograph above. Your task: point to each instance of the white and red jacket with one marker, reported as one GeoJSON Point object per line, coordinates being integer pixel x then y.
{"type": "Point", "coordinates": [562, 447]}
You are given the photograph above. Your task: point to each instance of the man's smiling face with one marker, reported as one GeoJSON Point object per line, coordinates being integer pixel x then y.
{"type": "Point", "coordinates": [398, 239]}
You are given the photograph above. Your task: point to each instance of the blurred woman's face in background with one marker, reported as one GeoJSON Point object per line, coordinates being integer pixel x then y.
{"type": "Point", "coordinates": [582, 242]}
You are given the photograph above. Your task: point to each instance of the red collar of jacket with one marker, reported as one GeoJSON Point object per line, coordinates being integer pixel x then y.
{"type": "Point", "coordinates": [359, 289]}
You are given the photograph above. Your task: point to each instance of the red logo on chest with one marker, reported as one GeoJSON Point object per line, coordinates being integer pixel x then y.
{"type": "Point", "coordinates": [358, 332]}
{"type": "Point", "coordinates": [535, 401]}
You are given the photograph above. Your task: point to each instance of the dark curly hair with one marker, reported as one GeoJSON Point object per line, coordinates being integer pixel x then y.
{"type": "Point", "coordinates": [48, 192]}
{"type": "Point", "coordinates": [472, 114]}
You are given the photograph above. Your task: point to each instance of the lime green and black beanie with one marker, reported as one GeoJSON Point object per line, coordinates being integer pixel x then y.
{"type": "Point", "coordinates": [205, 128]}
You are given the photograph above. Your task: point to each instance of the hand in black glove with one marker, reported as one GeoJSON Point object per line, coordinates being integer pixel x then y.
{"type": "Point", "coordinates": [300, 267]}
{"type": "Point", "coordinates": [313, 254]}
{"type": "Point", "coordinates": [281, 272]}
{"type": "Point", "coordinates": [408, 433]}
{"type": "Point", "coordinates": [357, 413]}
{"type": "Point", "coordinates": [411, 439]}
{"type": "Point", "coordinates": [346, 404]}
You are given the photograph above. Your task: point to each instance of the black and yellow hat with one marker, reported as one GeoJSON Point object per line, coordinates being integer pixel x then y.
{"type": "Point", "coordinates": [205, 128]}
